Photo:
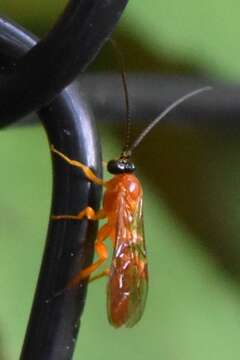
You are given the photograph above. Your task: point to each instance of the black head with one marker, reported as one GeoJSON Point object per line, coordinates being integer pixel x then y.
{"type": "Point", "coordinates": [120, 166]}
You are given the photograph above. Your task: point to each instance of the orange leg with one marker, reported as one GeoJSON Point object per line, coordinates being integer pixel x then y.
{"type": "Point", "coordinates": [86, 170]}
{"type": "Point", "coordinates": [105, 272]}
{"type": "Point", "coordinates": [101, 251]}
{"type": "Point", "coordinates": [88, 213]}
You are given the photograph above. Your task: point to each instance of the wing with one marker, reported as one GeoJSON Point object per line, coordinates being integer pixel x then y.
{"type": "Point", "coordinates": [128, 281]}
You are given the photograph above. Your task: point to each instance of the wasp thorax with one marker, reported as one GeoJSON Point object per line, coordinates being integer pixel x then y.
{"type": "Point", "coordinates": [120, 166]}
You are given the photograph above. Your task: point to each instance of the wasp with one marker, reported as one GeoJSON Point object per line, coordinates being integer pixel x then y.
{"type": "Point", "coordinates": [123, 211]}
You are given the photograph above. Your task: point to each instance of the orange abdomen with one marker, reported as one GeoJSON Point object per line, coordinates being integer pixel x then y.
{"type": "Point", "coordinates": [127, 285]}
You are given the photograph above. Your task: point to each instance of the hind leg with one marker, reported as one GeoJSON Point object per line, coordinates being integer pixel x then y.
{"type": "Point", "coordinates": [105, 272]}
{"type": "Point", "coordinates": [101, 251]}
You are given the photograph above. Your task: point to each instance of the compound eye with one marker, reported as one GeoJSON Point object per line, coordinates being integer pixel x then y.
{"type": "Point", "coordinates": [115, 167]}
{"type": "Point", "coordinates": [120, 167]}
{"type": "Point", "coordinates": [130, 167]}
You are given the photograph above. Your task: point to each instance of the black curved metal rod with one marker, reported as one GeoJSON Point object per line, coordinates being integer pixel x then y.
{"type": "Point", "coordinates": [53, 325]}
{"type": "Point", "coordinates": [54, 62]}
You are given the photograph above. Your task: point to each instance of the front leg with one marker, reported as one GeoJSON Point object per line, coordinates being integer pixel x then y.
{"type": "Point", "coordinates": [86, 170]}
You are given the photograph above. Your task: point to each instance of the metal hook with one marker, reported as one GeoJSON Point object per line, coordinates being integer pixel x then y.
{"type": "Point", "coordinates": [69, 126]}
{"type": "Point", "coordinates": [43, 72]}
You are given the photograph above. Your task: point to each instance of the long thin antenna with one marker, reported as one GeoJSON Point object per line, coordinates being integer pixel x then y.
{"type": "Point", "coordinates": [126, 96]}
{"type": "Point", "coordinates": [163, 114]}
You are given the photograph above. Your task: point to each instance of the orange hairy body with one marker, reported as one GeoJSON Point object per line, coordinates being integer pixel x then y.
{"type": "Point", "coordinates": [122, 191]}
{"type": "Point", "coordinates": [128, 279]}
{"type": "Point", "coordinates": [127, 285]}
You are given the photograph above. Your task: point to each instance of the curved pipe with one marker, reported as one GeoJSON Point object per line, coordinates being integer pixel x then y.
{"type": "Point", "coordinates": [53, 325]}
{"type": "Point", "coordinates": [38, 76]}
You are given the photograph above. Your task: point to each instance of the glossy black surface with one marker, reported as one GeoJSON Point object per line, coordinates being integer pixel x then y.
{"type": "Point", "coordinates": [53, 325]}
{"type": "Point", "coordinates": [38, 76]}
{"type": "Point", "coordinates": [120, 167]}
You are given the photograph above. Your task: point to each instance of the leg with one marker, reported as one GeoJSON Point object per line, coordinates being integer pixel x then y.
{"type": "Point", "coordinates": [88, 213]}
{"type": "Point", "coordinates": [101, 251]}
{"type": "Point", "coordinates": [72, 284]}
{"type": "Point", "coordinates": [105, 272]}
{"type": "Point", "coordinates": [86, 170]}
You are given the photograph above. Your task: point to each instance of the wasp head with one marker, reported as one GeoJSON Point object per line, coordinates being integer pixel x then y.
{"type": "Point", "coordinates": [121, 166]}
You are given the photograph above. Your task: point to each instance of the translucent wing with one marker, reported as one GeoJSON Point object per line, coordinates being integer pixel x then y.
{"type": "Point", "coordinates": [128, 281]}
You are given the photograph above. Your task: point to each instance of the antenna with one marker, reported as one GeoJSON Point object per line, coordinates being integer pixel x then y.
{"type": "Point", "coordinates": [162, 115]}
{"type": "Point", "coordinates": [128, 127]}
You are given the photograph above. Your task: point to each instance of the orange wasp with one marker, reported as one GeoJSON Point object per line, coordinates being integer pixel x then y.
{"type": "Point", "coordinates": [123, 210]}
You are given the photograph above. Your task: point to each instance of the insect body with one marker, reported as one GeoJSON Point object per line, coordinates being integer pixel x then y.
{"type": "Point", "coordinates": [127, 284]}
{"type": "Point", "coordinates": [122, 209]}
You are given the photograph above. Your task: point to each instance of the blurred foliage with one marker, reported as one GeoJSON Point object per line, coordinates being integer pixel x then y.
{"type": "Point", "coordinates": [191, 196]}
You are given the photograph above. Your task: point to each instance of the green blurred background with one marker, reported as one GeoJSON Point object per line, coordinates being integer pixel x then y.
{"type": "Point", "coordinates": [192, 197]}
